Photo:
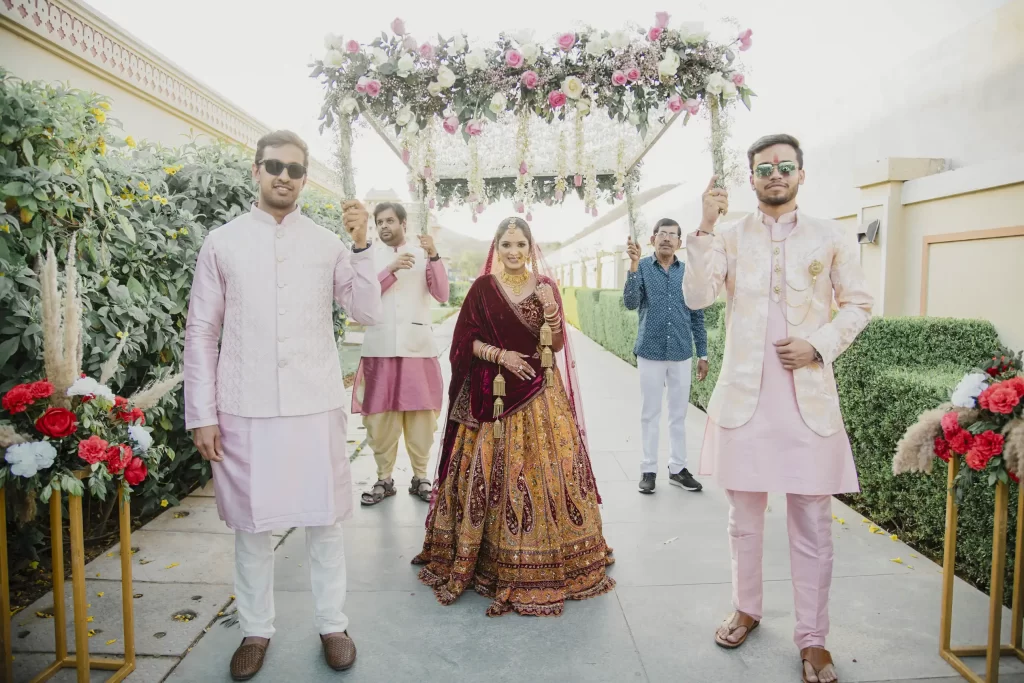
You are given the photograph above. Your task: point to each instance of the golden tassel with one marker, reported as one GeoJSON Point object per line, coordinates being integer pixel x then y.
{"type": "Point", "coordinates": [547, 358]}
{"type": "Point", "coordinates": [499, 385]}
{"type": "Point", "coordinates": [545, 335]}
{"type": "Point", "coordinates": [549, 377]}
{"type": "Point", "coordinates": [499, 408]}
{"type": "Point", "coordinates": [499, 431]}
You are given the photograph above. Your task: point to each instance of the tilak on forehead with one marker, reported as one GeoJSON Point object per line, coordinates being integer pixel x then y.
{"type": "Point", "coordinates": [775, 159]}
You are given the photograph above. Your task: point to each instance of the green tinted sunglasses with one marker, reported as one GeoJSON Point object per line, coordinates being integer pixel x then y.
{"type": "Point", "coordinates": [765, 170]}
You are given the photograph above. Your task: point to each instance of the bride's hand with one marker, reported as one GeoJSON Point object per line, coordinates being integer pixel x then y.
{"type": "Point", "coordinates": [515, 363]}
{"type": "Point", "coordinates": [547, 297]}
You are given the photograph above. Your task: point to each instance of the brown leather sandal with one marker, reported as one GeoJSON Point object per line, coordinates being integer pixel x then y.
{"type": "Point", "coordinates": [818, 658]}
{"type": "Point", "coordinates": [381, 490]}
{"type": "Point", "coordinates": [737, 621]}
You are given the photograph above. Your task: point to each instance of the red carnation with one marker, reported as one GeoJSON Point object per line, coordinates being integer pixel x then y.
{"type": "Point", "coordinates": [120, 402]}
{"type": "Point", "coordinates": [961, 441]}
{"type": "Point", "coordinates": [41, 389]}
{"type": "Point", "coordinates": [57, 423]}
{"type": "Point", "coordinates": [131, 416]}
{"type": "Point", "coordinates": [135, 472]}
{"type": "Point", "coordinates": [1017, 384]}
{"type": "Point", "coordinates": [93, 449]}
{"type": "Point", "coordinates": [988, 444]}
{"type": "Point", "coordinates": [1013, 477]}
{"type": "Point", "coordinates": [993, 371]}
{"type": "Point", "coordinates": [942, 449]}
{"type": "Point", "coordinates": [18, 399]}
{"type": "Point", "coordinates": [976, 460]}
{"type": "Point", "coordinates": [1000, 398]}
{"type": "Point", "coordinates": [950, 424]}
{"type": "Point", "coordinates": [118, 458]}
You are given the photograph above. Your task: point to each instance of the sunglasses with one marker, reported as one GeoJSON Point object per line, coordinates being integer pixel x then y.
{"type": "Point", "coordinates": [277, 167]}
{"type": "Point", "coordinates": [765, 170]}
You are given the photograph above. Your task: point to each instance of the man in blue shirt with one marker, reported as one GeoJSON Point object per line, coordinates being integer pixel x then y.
{"type": "Point", "coordinates": [664, 350]}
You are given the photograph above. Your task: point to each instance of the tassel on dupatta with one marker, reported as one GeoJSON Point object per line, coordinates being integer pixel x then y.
{"type": "Point", "coordinates": [499, 405]}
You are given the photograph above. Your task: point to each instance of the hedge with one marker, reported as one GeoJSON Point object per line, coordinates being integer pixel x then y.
{"type": "Point", "coordinates": [897, 368]}
{"type": "Point", "coordinates": [140, 212]}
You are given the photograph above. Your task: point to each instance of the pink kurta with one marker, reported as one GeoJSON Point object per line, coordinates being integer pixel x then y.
{"type": "Point", "coordinates": [402, 384]}
{"type": "Point", "coordinates": [776, 451]}
{"type": "Point", "coordinates": [284, 471]}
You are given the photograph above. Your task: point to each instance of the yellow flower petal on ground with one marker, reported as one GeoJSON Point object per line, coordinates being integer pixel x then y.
{"type": "Point", "coordinates": [89, 620]}
{"type": "Point", "coordinates": [111, 641]}
{"type": "Point", "coordinates": [864, 521]}
{"type": "Point", "coordinates": [894, 538]}
{"type": "Point", "coordinates": [92, 632]}
{"type": "Point", "coordinates": [897, 560]}
{"type": "Point", "coordinates": [164, 503]}
{"type": "Point", "coordinates": [873, 529]}
{"type": "Point", "coordinates": [100, 594]}
{"type": "Point", "coordinates": [172, 565]}
{"type": "Point", "coordinates": [841, 520]}
{"type": "Point", "coordinates": [914, 556]}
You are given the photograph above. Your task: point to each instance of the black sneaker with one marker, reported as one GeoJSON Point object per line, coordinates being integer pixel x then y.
{"type": "Point", "coordinates": [685, 480]}
{"type": "Point", "coordinates": [647, 482]}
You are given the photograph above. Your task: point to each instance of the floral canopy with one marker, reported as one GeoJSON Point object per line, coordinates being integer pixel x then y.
{"type": "Point", "coordinates": [527, 121]}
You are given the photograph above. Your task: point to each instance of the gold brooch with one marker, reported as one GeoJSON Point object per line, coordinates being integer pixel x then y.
{"type": "Point", "coordinates": [816, 268]}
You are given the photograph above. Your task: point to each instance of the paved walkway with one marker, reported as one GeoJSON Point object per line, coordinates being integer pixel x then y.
{"type": "Point", "coordinates": [673, 588]}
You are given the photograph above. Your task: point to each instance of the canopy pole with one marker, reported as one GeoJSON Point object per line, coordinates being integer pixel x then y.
{"type": "Point", "coordinates": [719, 133]}
{"type": "Point", "coordinates": [348, 181]}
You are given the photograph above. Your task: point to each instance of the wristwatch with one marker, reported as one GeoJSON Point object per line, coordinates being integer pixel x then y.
{"type": "Point", "coordinates": [435, 258]}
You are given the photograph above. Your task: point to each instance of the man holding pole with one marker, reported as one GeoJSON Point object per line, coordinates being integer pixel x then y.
{"type": "Point", "coordinates": [774, 423]}
{"type": "Point", "coordinates": [398, 387]}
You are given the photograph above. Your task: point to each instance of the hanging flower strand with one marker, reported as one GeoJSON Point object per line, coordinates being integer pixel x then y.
{"type": "Point", "coordinates": [563, 166]}
{"type": "Point", "coordinates": [429, 163]}
{"type": "Point", "coordinates": [620, 169]}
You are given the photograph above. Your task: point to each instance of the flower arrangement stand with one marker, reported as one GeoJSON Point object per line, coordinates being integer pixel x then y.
{"type": "Point", "coordinates": [81, 661]}
{"type": "Point", "coordinates": [994, 649]}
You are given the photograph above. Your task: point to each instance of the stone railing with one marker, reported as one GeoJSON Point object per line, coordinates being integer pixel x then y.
{"type": "Point", "coordinates": [89, 38]}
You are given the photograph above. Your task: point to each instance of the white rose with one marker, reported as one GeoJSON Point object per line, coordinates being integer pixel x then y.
{"type": "Point", "coordinates": [669, 65]}
{"type": "Point", "coordinates": [348, 105]}
{"type": "Point", "coordinates": [619, 40]}
{"type": "Point", "coordinates": [412, 127]}
{"type": "Point", "coordinates": [530, 52]}
{"type": "Point", "coordinates": [634, 118]}
{"type": "Point", "coordinates": [716, 84]}
{"type": "Point", "coordinates": [498, 103]}
{"type": "Point", "coordinates": [404, 116]}
{"type": "Point", "coordinates": [446, 77]}
{"type": "Point", "coordinates": [477, 59]}
{"type": "Point", "coordinates": [572, 87]}
{"type": "Point", "coordinates": [378, 56]}
{"type": "Point", "coordinates": [583, 106]}
{"type": "Point", "coordinates": [405, 65]}
{"type": "Point", "coordinates": [523, 36]}
{"type": "Point", "coordinates": [334, 59]}
{"type": "Point", "coordinates": [460, 44]}
{"type": "Point", "coordinates": [729, 91]}
{"type": "Point", "coordinates": [693, 32]}
{"type": "Point", "coordinates": [597, 47]}
{"type": "Point", "coordinates": [434, 88]}
{"type": "Point", "coordinates": [333, 42]}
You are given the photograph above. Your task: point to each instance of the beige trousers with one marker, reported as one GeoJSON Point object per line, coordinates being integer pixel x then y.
{"type": "Point", "coordinates": [383, 431]}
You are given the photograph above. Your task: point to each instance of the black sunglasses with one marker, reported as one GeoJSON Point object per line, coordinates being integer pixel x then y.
{"type": "Point", "coordinates": [277, 167]}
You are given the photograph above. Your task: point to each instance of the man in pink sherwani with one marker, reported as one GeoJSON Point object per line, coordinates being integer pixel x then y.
{"type": "Point", "coordinates": [398, 388]}
{"type": "Point", "coordinates": [774, 423]}
{"type": "Point", "coordinates": [268, 409]}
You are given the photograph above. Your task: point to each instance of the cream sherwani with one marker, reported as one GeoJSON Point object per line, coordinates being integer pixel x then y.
{"type": "Point", "coordinates": [771, 429]}
{"type": "Point", "coordinates": [265, 291]}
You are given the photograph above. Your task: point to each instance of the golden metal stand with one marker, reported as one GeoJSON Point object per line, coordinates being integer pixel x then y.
{"type": "Point", "coordinates": [994, 649]}
{"type": "Point", "coordinates": [81, 662]}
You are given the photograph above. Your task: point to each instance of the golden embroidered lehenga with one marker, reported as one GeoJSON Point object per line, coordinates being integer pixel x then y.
{"type": "Point", "coordinates": [515, 513]}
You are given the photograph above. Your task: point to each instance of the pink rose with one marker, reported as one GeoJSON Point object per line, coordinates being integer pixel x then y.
{"type": "Point", "coordinates": [738, 79]}
{"type": "Point", "coordinates": [398, 26]}
{"type": "Point", "coordinates": [427, 51]}
{"type": "Point", "coordinates": [692, 106]}
{"type": "Point", "coordinates": [577, 180]}
{"type": "Point", "coordinates": [745, 41]}
{"type": "Point", "coordinates": [409, 43]}
{"type": "Point", "coordinates": [523, 170]}
{"type": "Point", "coordinates": [556, 99]}
{"type": "Point", "coordinates": [654, 33]}
{"type": "Point", "coordinates": [432, 203]}
{"type": "Point", "coordinates": [746, 34]}
{"type": "Point", "coordinates": [661, 20]}
{"type": "Point", "coordinates": [566, 41]}
{"type": "Point", "coordinates": [373, 87]}
{"type": "Point", "coordinates": [619, 78]}
{"type": "Point", "coordinates": [451, 126]}
{"type": "Point", "coordinates": [361, 84]}
{"type": "Point", "coordinates": [405, 156]}
{"type": "Point", "coordinates": [514, 58]}
{"type": "Point", "coordinates": [352, 46]}
{"type": "Point", "coordinates": [530, 80]}
{"type": "Point", "coordinates": [675, 103]}
{"type": "Point", "coordinates": [474, 127]}
{"type": "Point", "coordinates": [633, 74]}
{"type": "Point", "coordinates": [529, 216]}
{"type": "Point", "coordinates": [428, 172]}
{"type": "Point", "coordinates": [559, 195]}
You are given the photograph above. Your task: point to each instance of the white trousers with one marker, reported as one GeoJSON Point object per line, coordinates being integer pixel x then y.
{"type": "Point", "coordinates": [655, 377]}
{"type": "Point", "coordinates": [254, 580]}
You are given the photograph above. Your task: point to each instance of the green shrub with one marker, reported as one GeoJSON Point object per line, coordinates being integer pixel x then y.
{"type": "Point", "coordinates": [140, 213]}
{"type": "Point", "coordinates": [569, 307]}
{"type": "Point", "coordinates": [457, 293]}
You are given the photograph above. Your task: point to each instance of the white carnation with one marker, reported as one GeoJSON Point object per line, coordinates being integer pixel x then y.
{"type": "Point", "coordinates": [334, 59]}
{"type": "Point", "coordinates": [523, 36]}
{"type": "Point", "coordinates": [597, 47]}
{"type": "Point", "coordinates": [26, 459]}
{"type": "Point", "coordinates": [966, 393]}
{"type": "Point", "coordinates": [446, 77]}
{"type": "Point", "coordinates": [434, 88]}
{"type": "Point", "coordinates": [87, 386]}
{"type": "Point", "coordinates": [141, 437]}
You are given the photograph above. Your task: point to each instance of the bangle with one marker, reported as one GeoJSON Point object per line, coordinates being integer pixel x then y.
{"type": "Point", "coordinates": [501, 357]}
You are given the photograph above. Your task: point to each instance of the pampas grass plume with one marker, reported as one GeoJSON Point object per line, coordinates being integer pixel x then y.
{"type": "Point", "coordinates": [149, 397]}
{"type": "Point", "coordinates": [916, 450]}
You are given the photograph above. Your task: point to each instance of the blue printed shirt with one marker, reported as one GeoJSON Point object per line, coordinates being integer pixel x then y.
{"type": "Point", "coordinates": [669, 330]}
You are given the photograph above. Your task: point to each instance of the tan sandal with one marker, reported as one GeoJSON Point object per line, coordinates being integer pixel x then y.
{"type": "Point", "coordinates": [381, 490]}
{"type": "Point", "coordinates": [735, 622]}
{"type": "Point", "coordinates": [818, 658]}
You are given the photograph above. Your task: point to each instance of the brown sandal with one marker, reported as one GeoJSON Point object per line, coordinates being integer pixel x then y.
{"type": "Point", "coordinates": [381, 490]}
{"type": "Point", "coordinates": [422, 488]}
{"type": "Point", "coordinates": [737, 621]}
{"type": "Point", "coordinates": [818, 658]}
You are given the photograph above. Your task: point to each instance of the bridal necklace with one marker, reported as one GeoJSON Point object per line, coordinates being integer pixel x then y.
{"type": "Point", "coordinates": [515, 282]}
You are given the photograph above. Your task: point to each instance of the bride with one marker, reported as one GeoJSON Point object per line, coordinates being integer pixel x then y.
{"type": "Point", "coordinates": [515, 511]}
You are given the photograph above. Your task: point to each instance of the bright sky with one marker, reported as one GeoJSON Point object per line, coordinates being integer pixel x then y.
{"type": "Point", "coordinates": [807, 59]}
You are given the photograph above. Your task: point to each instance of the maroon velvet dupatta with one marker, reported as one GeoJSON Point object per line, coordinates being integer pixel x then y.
{"type": "Point", "coordinates": [490, 316]}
